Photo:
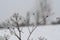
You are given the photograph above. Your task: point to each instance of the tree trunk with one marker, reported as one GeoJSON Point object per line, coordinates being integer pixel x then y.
{"type": "Point", "coordinates": [19, 33]}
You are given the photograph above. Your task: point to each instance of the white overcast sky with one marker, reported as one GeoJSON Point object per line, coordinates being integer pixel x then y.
{"type": "Point", "coordinates": [8, 7]}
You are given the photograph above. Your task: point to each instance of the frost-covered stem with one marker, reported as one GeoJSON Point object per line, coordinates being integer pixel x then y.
{"type": "Point", "coordinates": [19, 33]}
{"type": "Point", "coordinates": [33, 30]}
{"type": "Point", "coordinates": [15, 33]}
{"type": "Point", "coordinates": [31, 33]}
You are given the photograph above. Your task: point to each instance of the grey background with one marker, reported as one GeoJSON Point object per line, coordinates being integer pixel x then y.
{"type": "Point", "coordinates": [8, 7]}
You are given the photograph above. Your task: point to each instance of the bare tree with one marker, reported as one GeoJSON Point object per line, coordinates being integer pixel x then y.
{"type": "Point", "coordinates": [56, 22]}
{"type": "Point", "coordinates": [28, 18]}
{"type": "Point", "coordinates": [16, 21]}
{"type": "Point", "coordinates": [33, 29]}
{"type": "Point", "coordinates": [45, 9]}
{"type": "Point", "coordinates": [37, 18]}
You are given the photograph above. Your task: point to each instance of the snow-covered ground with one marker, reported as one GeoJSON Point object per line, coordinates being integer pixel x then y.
{"type": "Point", "coordinates": [51, 32]}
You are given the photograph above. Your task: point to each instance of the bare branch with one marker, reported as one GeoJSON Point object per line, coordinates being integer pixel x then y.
{"type": "Point", "coordinates": [34, 29]}
{"type": "Point", "coordinates": [14, 33]}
